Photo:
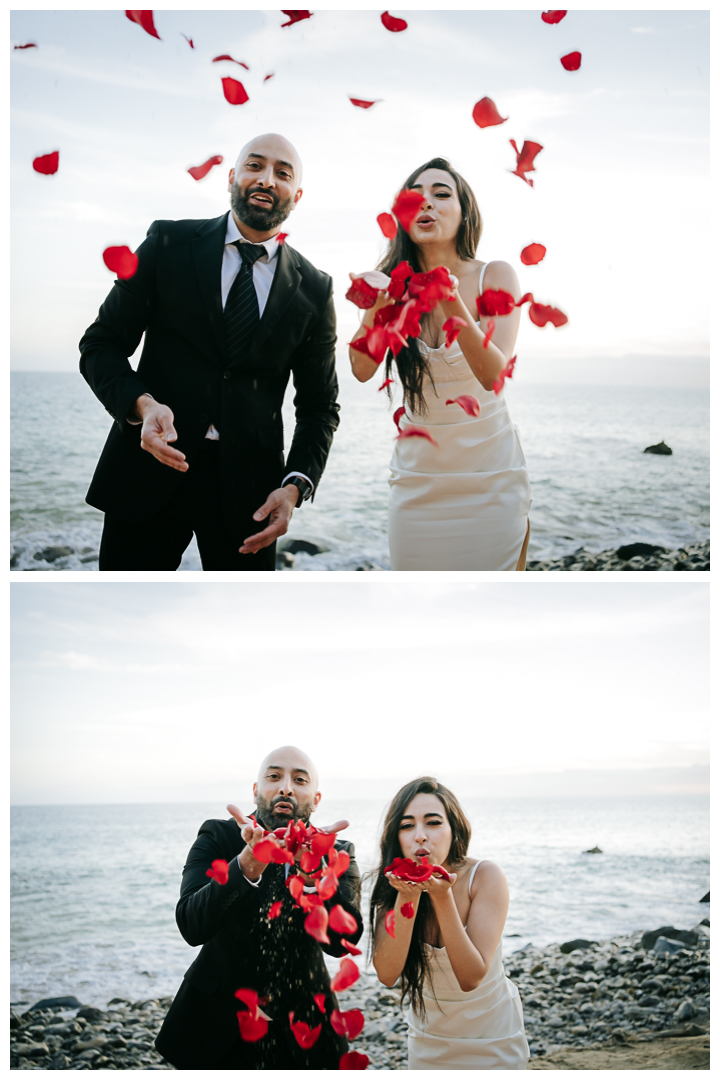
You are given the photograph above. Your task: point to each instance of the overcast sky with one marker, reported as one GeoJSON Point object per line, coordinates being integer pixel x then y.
{"type": "Point", "coordinates": [621, 196]}
{"type": "Point", "coordinates": [145, 692]}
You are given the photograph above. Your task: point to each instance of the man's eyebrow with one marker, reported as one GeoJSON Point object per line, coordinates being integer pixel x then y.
{"type": "Point", "coordinates": [278, 768]}
{"type": "Point", "coordinates": [286, 164]}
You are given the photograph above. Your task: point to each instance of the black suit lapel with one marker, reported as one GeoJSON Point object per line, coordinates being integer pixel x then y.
{"type": "Point", "coordinates": [286, 282]}
{"type": "Point", "coordinates": [208, 246]}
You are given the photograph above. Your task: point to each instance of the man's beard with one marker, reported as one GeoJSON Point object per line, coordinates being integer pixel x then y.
{"type": "Point", "coordinates": [253, 216]}
{"type": "Point", "coordinates": [274, 821]}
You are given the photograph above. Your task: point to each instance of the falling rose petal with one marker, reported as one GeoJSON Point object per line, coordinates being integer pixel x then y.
{"type": "Point", "coordinates": [506, 373]}
{"type": "Point", "coordinates": [388, 225]}
{"type": "Point", "coordinates": [310, 900]}
{"type": "Point", "coordinates": [316, 924]}
{"type": "Point", "coordinates": [249, 998]}
{"type": "Point", "coordinates": [234, 91]}
{"type": "Point", "coordinates": [189, 40]}
{"type": "Point", "coordinates": [398, 280]}
{"type": "Point", "coordinates": [219, 871]}
{"type": "Point", "coordinates": [349, 1023]}
{"type": "Point", "coordinates": [295, 16]}
{"type": "Point", "coordinates": [305, 1035]}
{"type": "Point", "coordinates": [199, 171]}
{"type": "Point", "coordinates": [47, 164]}
{"type": "Point", "coordinates": [281, 237]}
{"type": "Point", "coordinates": [571, 61]}
{"type": "Point", "coordinates": [390, 923]}
{"type": "Point", "coordinates": [341, 863]}
{"type": "Point", "coordinates": [30, 45]}
{"type": "Point", "coordinates": [409, 870]}
{"type": "Point", "coordinates": [321, 842]}
{"type": "Point", "coordinates": [121, 261]}
{"type": "Point", "coordinates": [295, 885]}
{"type": "Point", "coordinates": [251, 1027]}
{"type": "Point", "coordinates": [495, 302]}
{"type": "Point", "coordinates": [144, 19]}
{"type": "Point", "coordinates": [384, 385]}
{"type": "Point", "coordinates": [541, 314]}
{"type": "Point", "coordinates": [533, 254]}
{"type": "Point", "coordinates": [524, 299]}
{"type": "Point", "coordinates": [553, 16]}
{"type": "Point", "coordinates": [525, 159]}
{"type": "Point", "coordinates": [327, 886]}
{"type": "Point", "coordinates": [352, 949]}
{"type": "Point", "coordinates": [341, 921]}
{"type": "Point", "coordinates": [490, 331]}
{"type": "Point", "coordinates": [309, 862]}
{"type": "Point", "coordinates": [275, 909]}
{"type": "Point", "coordinates": [263, 850]}
{"type": "Point", "coordinates": [319, 1000]}
{"type": "Point", "coordinates": [347, 976]}
{"type": "Point", "coordinates": [452, 328]}
{"type": "Point", "coordinates": [414, 432]}
{"type": "Point", "coordinates": [270, 76]}
{"type": "Point", "coordinates": [361, 103]}
{"type": "Point", "coordinates": [391, 23]}
{"type": "Point", "coordinates": [353, 1059]}
{"type": "Point", "coordinates": [397, 415]}
{"type": "Point", "coordinates": [485, 113]}
{"type": "Point", "coordinates": [407, 207]}
{"type": "Point", "coordinates": [409, 320]}
{"type": "Point", "coordinates": [471, 405]}
{"type": "Point", "coordinates": [226, 56]}
{"type": "Point", "coordinates": [407, 910]}
{"type": "Point", "coordinates": [363, 296]}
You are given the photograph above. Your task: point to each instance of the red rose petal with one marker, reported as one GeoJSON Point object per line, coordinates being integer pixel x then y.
{"type": "Point", "coordinates": [275, 909]}
{"type": "Point", "coordinates": [390, 923]}
{"type": "Point", "coordinates": [490, 331]}
{"type": "Point", "coordinates": [263, 850]}
{"type": "Point", "coordinates": [533, 254]}
{"type": "Point", "coordinates": [319, 1000]}
{"type": "Point", "coordinates": [144, 19]}
{"type": "Point", "coordinates": [506, 373]}
{"type": "Point", "coordinates": [234, 91]}
{"type": "Point", "coordinates": [391, 23]}
{"type": "Point", "coordinates": [296, 886]}
{"type": "Point", "coordinates": [295, 16]}
{"type": "Point", "coordinates": [407, 207]}
{"type": "Point", "coordinates": [341, 921]}
{"type": "Point", "coordinates": [396, 416]}
{"type": "Point", "coordinates": [415, 432]}
{"type": "Point", "coordinates": [525, 159]}
{"type": "Point", "coordinates": [219, 869]}
{"type": "Point", "coordinates": [348, 974]}
{"type": "Point", "coordinates": [361, 104]}
{"type": "Point", "coordinates": [352, 949]}
{"type": "Point", "coordinates": [251, 1027]}
{"type": "Point", "coordinates": [524, 299]}
{"type": "Point", "coordinates": [571, 61]}
{"type": "Point", "coordinates": [47, 164]}
{"type": "Point", "coordinates": [485, 113]}
{"type": "Point", "coordinates": [305, 1035]}
{"type": "Point", "coordinates": [30, 45]}
{"type": "Point", "coordinates": [281, 237]}
{"type": "Point", "coordinates": [349, 1023]}
{"type": "Point", "coordinates": [541, 314]}
{"type": "Point", "coordinates": [495, 302]}
{"type": "Point", "coordinates": [226, 56]}
{"type": "Point", "coordinates": [249, 998]}
{"type": "Point", "coordinates": [270, 76]}
{"type": "Point", "coordinates": [407, 910]}
{"type": "Point", "coordinates": [440, 870]}
{"type": "Point", "coordinates": [199, 171]}
{"type": "Point", "coordinates": [121, 261]}
{"type": "Point", "coordinates": [189, 40]}
{"type": "Point", "coordinates": [553, 16]}
{"type": "Point", "coordinates": [384, 385]}
{"type": "Point", "coordinates": [316, 924]}
{"type": "Point", "coordinates": [309, 862]}
{"type": "Point", "coordinates": [398, 280]}
{"type": "Point", "coordinates": [322, 842]}
{"type": "Point", "coordinates": [353, 1059]}
{"type": "Point", "coordinates": [388, 225]}
{"type": "Point", "coordinates": [452, 328]}
{"type": "Point", "coordinates": [327, 886]}
{"type": "Point", "coordinates": [340, 863]}
{"type": "Point", "coordinates": [471, 406]}
{"type": "Point", "coordinates": [363, 296]}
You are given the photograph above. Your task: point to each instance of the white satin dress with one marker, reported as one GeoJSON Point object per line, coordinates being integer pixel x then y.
{"type": "Point", "coordinates": [464, 504]}
{"type": "Point", "coordinates": [477, 1029]}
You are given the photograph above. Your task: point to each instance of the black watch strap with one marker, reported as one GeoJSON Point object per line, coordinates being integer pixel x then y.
{"type": "Point", "coordinates": [303, 486]}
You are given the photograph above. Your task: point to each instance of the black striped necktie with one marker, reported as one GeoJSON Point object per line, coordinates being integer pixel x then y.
{"type": "Point", "coordinates": [242, 313]}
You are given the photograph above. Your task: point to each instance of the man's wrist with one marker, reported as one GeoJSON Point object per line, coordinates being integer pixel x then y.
{"type": "Point", "coordinates": [302, 486]}
{"type": "Point", "coordinates": [142, 404]}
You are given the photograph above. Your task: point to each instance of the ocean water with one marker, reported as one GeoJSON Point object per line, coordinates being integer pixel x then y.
{"type": "Point", "coordinates": [592, 485]}
{"type": "Point", "coordinates": [94, 888]}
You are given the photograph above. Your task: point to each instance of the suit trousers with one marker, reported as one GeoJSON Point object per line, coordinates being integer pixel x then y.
{"type": "Point", "coordinates": [158, 542]}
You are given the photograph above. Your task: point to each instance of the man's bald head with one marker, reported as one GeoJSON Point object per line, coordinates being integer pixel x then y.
{"type": "Point", "coordinates": [264, 186]}
{"type": "Point", "coordinates": [274, 147]}
{"type": "Point", "coordinates": [286, 787]}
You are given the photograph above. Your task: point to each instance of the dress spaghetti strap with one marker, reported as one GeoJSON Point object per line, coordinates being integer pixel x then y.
{"type": "Point", "coordinates": [482, 276]}
{"type": "Point", "coordinates": [472, 873]}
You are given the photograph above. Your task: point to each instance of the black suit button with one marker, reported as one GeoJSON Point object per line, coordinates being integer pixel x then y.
{"type": "Point", "coordinates": [227, 374]}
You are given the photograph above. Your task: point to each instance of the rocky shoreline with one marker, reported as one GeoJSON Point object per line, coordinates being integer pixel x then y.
{"type": "Point", "coordinates": [631, 557]}
{"type": "Point", "coordinates": [604, 1000]}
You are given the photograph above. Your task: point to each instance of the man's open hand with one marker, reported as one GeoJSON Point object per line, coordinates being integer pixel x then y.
{"type": "Point", "coordinates": [279, 505]}
{"type": "Point", "coordinates": [158, 429]}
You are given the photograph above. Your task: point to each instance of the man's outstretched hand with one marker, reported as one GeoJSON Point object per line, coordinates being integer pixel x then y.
{"type": "Point", "coordinates": [158, 429]}
{"type": "Point", "coordinates": [279, 505]}
{"type": "Point", "coordinates": [251, 867]}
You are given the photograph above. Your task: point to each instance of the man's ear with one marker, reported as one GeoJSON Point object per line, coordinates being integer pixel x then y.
{"type": "Point", "coordinates": [255, 793]}
{"type": "Point", "coordinates": [316, 800]}
{"type": "Point", "coordinates": [231, 179]}
{"type": "Point", "coordinates": [297, 198]}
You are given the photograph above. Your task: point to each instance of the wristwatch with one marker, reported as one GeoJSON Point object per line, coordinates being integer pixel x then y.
{"type": "Point", "coordinates": [304, 487]}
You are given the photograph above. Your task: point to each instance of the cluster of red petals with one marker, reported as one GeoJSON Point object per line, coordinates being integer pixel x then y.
{"type": "Point", "coordinates": [189, 40]}
{"type": "Point", "coordinates": [281, 237]}
{"type": "Point", "coordinates": [471, 406]}
{"type": "Point", "coordinates": [341, 921]}
{"type": "Point", "coordinates": [506, 373]}
{"type": "Point", "coordinates": [391, 23]}
{"type": "Point", "coordinates": [390, 922]}
{"type": "Point", "coordinates": [354, 1060]}
{"type": "Point", "coordinates": [432, 287]}
{"type": "Point", "coordinates": [490, 331]}
{"type": "Point", "coordinates": [349, 1023]}
{"type": "Point", "coordinates": [199, 171]}
{"type": "Point", "coordinates": [361, 104]}
{"type": "Point", "coordinates": [226, 56]}
{"type": "Point", "coordinates": [553, 16]}
{"type": "Point", "coordinates": [234, 91]}
{"type": "Point", "coordinates": [384, 385]}
{"type": "Point", "coordinates": [532, 254]}
{"type": "Point", "coordinates": [270, 851]}
{"type": "Point", "coordinates": [275, 909]}
{"type": "Point", "coordinates": [30, 45]}
{"type": "Point", "coordinates": [525, 159]}
{"type": "Point", "coordinates": [47, 164]}
{"type": "Point", "coordinates": [144, 19]}
{"type": "Point", "coordinates": [388, 225]}
{"type": "Point", "coordinates": [352, 949]}
{"type": "Point", "coordinates": [305, 1035]}
{"type": "Point", "coordinates": [407, 910]}
{"type": "Point", "coordinates": [485, 113]}
{"type": "Point", "coordinates": [414, 431]}
{"type": "Point", "coordinates": [541, 314]}
{"type": "Point", "coordinates": [219, 869]}
{"type": "Point", "coordinates": [407, 207]}
{"type": "Point", "coordinates": [493, 302]}
{"type": "Point", "coordinates": [346, 977]}
{"type": "Point", "coordinates": [124, 263]}
{"type": "Point", "coordinates": [253, 1025]}
{"type": "Point", "coordinates": [571, 61]}
{"type": "Point", "coordinates": [295, 16]}
{"type": "Point", "coordinates": [409, 870]}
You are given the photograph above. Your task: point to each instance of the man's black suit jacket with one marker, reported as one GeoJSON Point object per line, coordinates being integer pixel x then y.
{"type": "Point", "coordinates": [174, 298]}
{"type": "Point", "coordinates": [242, 948]}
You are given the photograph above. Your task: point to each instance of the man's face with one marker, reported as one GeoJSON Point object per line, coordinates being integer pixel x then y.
{"type": "Point", "coordinates": [264, 186]}
{"type": "Point", "coordinates": [286, 789]}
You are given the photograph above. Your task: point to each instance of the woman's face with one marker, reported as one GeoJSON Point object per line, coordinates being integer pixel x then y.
{"type": "Point", "coordinates": [440, 214]}
{"type": "Point", "coordinates": [425, 830]}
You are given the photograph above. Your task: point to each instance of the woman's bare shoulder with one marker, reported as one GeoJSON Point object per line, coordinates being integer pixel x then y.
{"type": "Point", "coordinates": [488, 875]}
{"type": "Point", "coordinates": [502, 275]}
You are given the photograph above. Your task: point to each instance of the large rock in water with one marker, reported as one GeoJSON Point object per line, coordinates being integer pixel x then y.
{"type": "Point", "coordinates": [593, 851]}
{"type": "Point", "coordinates": [629, 551]}
{"type": "Point", "coordinates": [576, 943]}
{"type": "Point", "coordinates": [56, 1003]}
{"type": "Point", "coordinates": [658, 448]}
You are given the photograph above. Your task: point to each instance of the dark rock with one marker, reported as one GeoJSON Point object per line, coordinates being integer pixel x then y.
{"type": "Point", "coordinates": [629, 551]}
{"type": "Point", "coordinates": [665, 945]}
{"type": "Point", "coordinates": [704, 922]}
{"type": "Point", "coordinates": [658, 448]}
{"type": "Point", "coordinates": [55, 551]}
{"type": "Point", "coordinates": [308, 547]}
{"type": "Point", "coordinates": [89, 1012]}
{"type": "Point", "coordinates": [56, 1003]}
{"type": "Point", "coordinates": [688, 937]}
{"type": "Point", "coordinates": [284, 560]}
{"type": "Point", "coordinates": [576, 943]}
{"type": "Point", "coordinates": [593, 851]}
{"type": "Point", "coordinates": [705, 900]}
{"type": "Point", "coordinates": [119, 1001]}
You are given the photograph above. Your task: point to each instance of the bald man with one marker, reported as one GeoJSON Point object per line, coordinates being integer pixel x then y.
{"type": "Point", "coordinates": [228, 312]}
{"type": "Point", "coordinates": [242, 948]}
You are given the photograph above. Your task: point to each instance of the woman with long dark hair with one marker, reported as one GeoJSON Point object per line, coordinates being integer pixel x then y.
{"type": "Point", "coordinates": [441, 937]}
{"type": "Point", "coordinates": [461, 504]}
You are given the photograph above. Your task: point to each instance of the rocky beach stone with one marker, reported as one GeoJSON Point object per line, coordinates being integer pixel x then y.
{"type": "Point", "coordinates": [692, 557]}
{"type": "Point", "coordinates": [658, 448]}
